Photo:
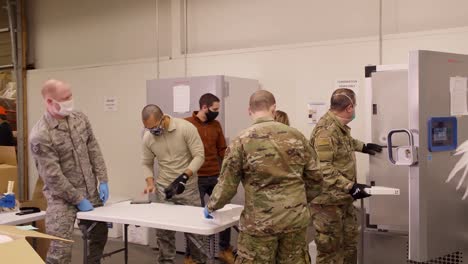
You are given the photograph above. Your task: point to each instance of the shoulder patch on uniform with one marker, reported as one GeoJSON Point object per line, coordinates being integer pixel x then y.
{"type": "Point", "coordinates": [36, 148]}
{"type": "Point", "coordinates": [322, 141]}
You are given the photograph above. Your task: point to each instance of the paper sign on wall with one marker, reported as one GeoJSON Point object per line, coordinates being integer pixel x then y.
{"type": "Point", "coordinates": [316, 111]}
{"type": "Point", "coordinates": [349, 84]}
{"type": "Point", "coordinates": [181, 97]}
{"type": "Point", "coordinates": [110, 104]}
{"type": "Point", "coordinates": [458, 94]}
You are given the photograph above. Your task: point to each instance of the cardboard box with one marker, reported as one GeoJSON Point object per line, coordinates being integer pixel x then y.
{"type": "Point", "coordinates": [18, 250]}
{"type": "Point", "coordinates": [227, 213]}
{"type": "Point", "coordinates": [8, 155]}
{"type": "Point", "coordinates": [381, 190]}
{"type": "Point", "coordinates": [115, 230]}
{"type": "Point", "coordinates": [140, 235]}
{"type": "Point", "coordinates": [8, 168]}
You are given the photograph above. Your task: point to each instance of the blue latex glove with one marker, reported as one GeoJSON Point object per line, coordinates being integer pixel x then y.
{"type": "Point", "coordinates": [104, 191]}
{"type": "Point", "coordinates": [207, 214]}
{"type": "Point", "coordinates": [85, 205]}
{"type": "Point", "coordinates": [8, 201]}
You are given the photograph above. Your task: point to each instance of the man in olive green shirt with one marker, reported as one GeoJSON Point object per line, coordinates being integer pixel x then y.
{"type": "Point", "coordinates": [179, 151]}
{"type": "Point", "coordinates": [333, 213]}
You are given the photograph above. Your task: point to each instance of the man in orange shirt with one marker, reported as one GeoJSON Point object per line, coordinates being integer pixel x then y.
{"type": "Point", "coordinates": [213, 139]}
{"type": "Point", "coordinates": [6, 133]}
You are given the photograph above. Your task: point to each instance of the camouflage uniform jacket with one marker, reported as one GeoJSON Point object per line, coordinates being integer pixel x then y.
{"type": "Point", "coordinates": [279, 171]}
{"type": "Point", "coordinates": [68, 158]}
{"type": "Point", "coordinates": [335, 148]}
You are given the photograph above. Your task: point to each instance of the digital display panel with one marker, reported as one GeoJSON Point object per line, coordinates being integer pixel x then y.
{"type": "Point", "coordinates": [442, 133]}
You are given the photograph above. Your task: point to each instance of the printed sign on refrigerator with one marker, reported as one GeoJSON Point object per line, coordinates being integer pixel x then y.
{"type": "Point", "coordinates": [181, 97]}
{"type": "Point", "coordinates": [458, 94]}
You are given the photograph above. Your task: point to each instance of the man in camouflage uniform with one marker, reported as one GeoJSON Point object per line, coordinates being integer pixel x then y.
{"type": "Point", "coordinates": [70, 164]}
{"type": "Point", "coordinates": [279, 171]}
{"type": "Point", "coordinates": [333, 213]}
{"type": "Point", "coordinates": [178, 149]}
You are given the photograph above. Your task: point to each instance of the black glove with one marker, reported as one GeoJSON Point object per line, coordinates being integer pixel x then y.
{"type": "Point", "coordinates": [371, 149]}
{"type": "Point", "coordinates": [177, 186]}
{"type": "Point", "coordinates": [358, 192]}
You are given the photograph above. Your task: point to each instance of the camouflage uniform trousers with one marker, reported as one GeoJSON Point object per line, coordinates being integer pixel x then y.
{"type": "Point", "coordinates": [60, 220]}
{"type": "Point", "coordinates": [286, 248]}
{"type": "Point", "coordinates": [166, 239]}
{"type": "Point", "coordinates": [336, 233]}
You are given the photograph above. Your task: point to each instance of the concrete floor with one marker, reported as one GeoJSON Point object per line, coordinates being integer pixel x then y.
{"type": "Point", "coordinates": [137, 254]}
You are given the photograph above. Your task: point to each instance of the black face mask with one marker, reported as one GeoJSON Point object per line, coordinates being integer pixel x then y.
{"type": "Point", "coordinates": [210, 116]}
{"type": "Point", "coordinates": [157, 131]}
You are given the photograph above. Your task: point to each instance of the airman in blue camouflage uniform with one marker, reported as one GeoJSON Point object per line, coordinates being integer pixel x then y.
{"type": "Point", "coordinates": [70, 164]}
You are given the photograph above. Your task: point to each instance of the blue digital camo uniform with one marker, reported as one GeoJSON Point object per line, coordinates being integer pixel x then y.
{"type": "Point", "coordinates": [70, 163]}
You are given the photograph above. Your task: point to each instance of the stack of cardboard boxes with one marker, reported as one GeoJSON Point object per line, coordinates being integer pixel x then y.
{"type": "Point", "coordinates": [8, 168]}
{"type": "Point", "coordinates": [9, 172]}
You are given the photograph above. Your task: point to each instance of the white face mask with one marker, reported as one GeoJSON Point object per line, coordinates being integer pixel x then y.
{"type": "Point", "coordinates": [66, 107]}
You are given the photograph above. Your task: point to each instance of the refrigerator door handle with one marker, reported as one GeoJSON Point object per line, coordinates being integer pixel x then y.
{"type": "Point", "coordinates": [406, 155]}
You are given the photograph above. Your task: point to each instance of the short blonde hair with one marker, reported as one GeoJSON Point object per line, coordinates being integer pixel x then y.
{"type": "Point", "coordinates": [50, 87]}
{"type": "Point", "coordinates": [281, 117]}
{"type": "Point", "coordinates": [261, 100]}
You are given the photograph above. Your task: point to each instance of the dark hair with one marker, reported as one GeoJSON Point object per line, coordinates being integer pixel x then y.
{"type": "Point", "coordinates": [342, 98]}
{"type": "Point", "coordinates": [208, 99]}
{"type": "Point", "coordinates": [261, 100]}
{"type": "Point", "coordinates": [151, 110]}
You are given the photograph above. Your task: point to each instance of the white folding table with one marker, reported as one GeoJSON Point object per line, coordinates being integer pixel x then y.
{"type": "Point", "coordinates": [11, 218]}
{"type": "Point", "coordinates": [179, 218]}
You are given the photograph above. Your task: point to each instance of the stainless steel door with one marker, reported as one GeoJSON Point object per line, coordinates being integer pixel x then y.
{"type": "Point", "coordinates": [390, 111]}
{"type": "Point", "coordinates": [438, 216]}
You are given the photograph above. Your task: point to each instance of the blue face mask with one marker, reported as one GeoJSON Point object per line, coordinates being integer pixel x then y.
{"type": "Point", "coordinates": [354, 116]}
{"type": "Point", "coordinates": [158, 130]}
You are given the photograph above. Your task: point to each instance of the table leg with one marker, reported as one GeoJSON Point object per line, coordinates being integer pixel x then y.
{"type": "Point", "coordinates": [34, 240]}
{"type": "Point", "coordinates": [126, 242]}
{"type": "Point", "coordinates": [85, 245]}
{"type": "Point", "coordinates": [363, 227]}
{"type": "Point", "coordinates": [85, 236]}
{"type": "Point", "coordinates": [212, 250]}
